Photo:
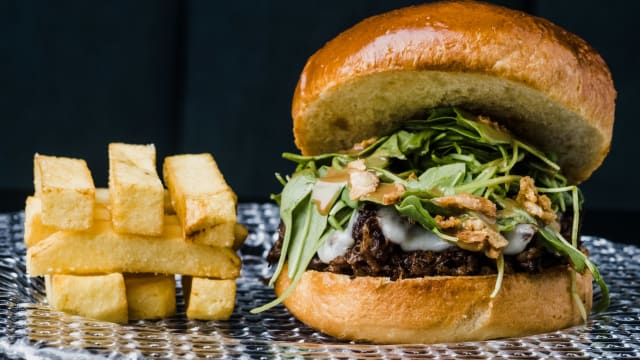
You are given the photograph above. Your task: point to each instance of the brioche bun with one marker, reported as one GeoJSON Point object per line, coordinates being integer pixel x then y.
{"type": "Point", "coordinates": [548, 86]}
{"type": "Point", "coordinates": [436, 309]}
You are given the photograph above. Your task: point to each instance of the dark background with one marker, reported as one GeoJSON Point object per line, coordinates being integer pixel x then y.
{"type": "Point", "coordinates": [210, 76]}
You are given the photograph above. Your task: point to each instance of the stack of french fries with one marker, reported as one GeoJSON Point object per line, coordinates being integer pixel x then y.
{"type": "Point", "coordinates": [112, 254]}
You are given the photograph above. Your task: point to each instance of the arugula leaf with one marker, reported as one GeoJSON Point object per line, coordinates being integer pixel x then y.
{"type": "Point", "coordinates": [512, 214]}
{"type": "Point", "coordinates": [578, 260]}
{"type": "Point", "coordinates": [296, 190]}
{"type": "Point", "coordinates": [389, 149]}
{"type": "Point", "coordinates": [308, 255]}
{"type": "Point", "coordinates": [489, 134]}
{"type": "Point", "coordinates": [414, 208]}
{"type": "Point", "coordinates": [500, 268]}
{"type": "Point", "coordinates": [443, 178]}
{"type": "Point", "coordinates": [308, 226]}
{"type": "Point", "coordinates": [344, 157]}
{"type": "Point", "coordinates": [411, 207]}
{"type": "Point", "coordinates": [410, 142]}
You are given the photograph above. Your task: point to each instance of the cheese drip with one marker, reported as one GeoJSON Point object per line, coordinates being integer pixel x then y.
{"type": "Point", "coordinates": [410, 237]}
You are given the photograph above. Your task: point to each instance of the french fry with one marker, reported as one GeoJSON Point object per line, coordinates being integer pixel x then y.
{"type": "Point", "coordinates": [240, 235]}
{"type": "Point", "coordinates": [135, 191]}
{"type": "Point", "coordinates": [99, 297]}
{"type": "Point", "coordinates": [102, 197]}
{"type": "Point", "coordinates": [35, 230]}
{"type": "Point", "coordinates": [67, 192]}
{"type": "Point", "coordinates": [140, 229]}
{"type": "Point", "coordinates": [209, 299]}
{"type": "Point", "coordinates": [150, 296]}
{"type": "Point", "coordinates": [200, 195]}
{"type": "Point", "coordinates": [231, 235]}
{"type": "Point", "coordinates": [222, 235]}
{"type": "Point", "coordinates": [103, 250]}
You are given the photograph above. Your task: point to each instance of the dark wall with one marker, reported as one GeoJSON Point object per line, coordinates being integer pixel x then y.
{"type": "Point", "coordinates": [77, 75]}
{"type": "Point", "coordinates": [193, 76]}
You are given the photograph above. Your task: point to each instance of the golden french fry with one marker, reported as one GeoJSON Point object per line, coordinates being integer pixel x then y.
{"type": "Point", "coordinates": [150, 296]}
{"type": "Point", "coordinates": [35, 230]}
{"type": "Point", "coordinates": [135, 191]}
{"type": "Point", "coordinates": [199, 193]}
{"type": "Point", "coordinates": [240, 235]}
{"type": "Point", "coordinates": [222, 235]}
{"type": "Point", "coordinates": [100, 297]}
{"type": "Point", "coordinates": [67, 192]}
{"type": "Point", "coordinates": [102, 197]}
{"type": "Point", "coordinates": [102, 250]}
{"type": "Point", "coordinates": [209, 299]}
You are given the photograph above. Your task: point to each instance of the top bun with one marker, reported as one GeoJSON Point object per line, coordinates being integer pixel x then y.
{"type": "Point", "coordinates": [545, 84]}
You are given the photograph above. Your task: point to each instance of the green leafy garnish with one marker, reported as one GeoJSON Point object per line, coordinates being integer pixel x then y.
{"type": "Point", "coordinates": [296, 190]}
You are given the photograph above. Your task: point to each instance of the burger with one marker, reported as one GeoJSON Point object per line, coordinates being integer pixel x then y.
{"type": "Point", "coordinates": [435, 198]}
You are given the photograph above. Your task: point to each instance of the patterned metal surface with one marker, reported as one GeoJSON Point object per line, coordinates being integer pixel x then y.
{"type": "Point", "coordinates": [28, 329]}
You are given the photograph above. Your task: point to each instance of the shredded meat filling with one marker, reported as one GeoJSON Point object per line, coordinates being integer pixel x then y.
{"type": "Point", "coordinates": [374, 255]}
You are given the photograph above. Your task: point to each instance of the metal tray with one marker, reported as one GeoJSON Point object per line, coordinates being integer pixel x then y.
{"type": "Point", "coordinates": [29, 329]}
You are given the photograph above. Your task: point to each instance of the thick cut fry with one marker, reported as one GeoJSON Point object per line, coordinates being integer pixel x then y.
{"type": "Point", "coordinates": [67, 192]}
{"type": "Point", "coordinates": [222, 235]}
{"type": "Point", "coordinates": [199, 193]}
{"type": "Point", "coordinates": [232, 235]}
{"type": "Point", "coordinates": [102, 250]}
{"type": "Point", "coordinates": [209, 299]}
{"type": "Point", "coordinates": [102, 197]}
{"type": "Point", "coordinates": [240, 235]}
{"type": "Point", "coordinates": [35, 230]}
{"type": "Point", "coordinates": [100, 297]}
{"type": "Point", "coordinates": [136, 193]}
{"type": "Point", "coordinates": [150, 296]}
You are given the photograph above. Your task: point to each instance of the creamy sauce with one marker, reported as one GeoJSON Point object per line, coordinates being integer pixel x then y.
{"type": "Point", "coordinates": [410, 237]}
{"type": "Point", "coordinates": [325, 193]}
{"type": "Point", "coordinates": [327, 189]}
{"type": "Point", "coordinates": [336, 176]}
{"type": "Point", "coordinates": [338, 242]}
{"type": "Point", "coordinates": [385, 193]}
{"type": "Point", "coordinates": [518, 238]}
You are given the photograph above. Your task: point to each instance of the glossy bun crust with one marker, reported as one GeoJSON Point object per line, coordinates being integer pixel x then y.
{"type": "Point", "coordinates": [547, 85]}
{"type": "Point", "coordinates": [436, 309]}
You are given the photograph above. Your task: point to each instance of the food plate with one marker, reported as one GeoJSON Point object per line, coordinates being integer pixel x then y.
{"type": "Point", "coordinates": [28, 329]}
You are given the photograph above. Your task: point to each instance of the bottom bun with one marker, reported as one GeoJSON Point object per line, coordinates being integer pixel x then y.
{"type": "Point", "coordinates": [436, 309]}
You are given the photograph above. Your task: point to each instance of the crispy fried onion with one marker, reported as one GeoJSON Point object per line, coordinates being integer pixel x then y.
{"type": "Point", "coordinates": [474, 234]}
{"type": "Point", "coordinates": [361, 181]}
{"type": "Point", "coordinates": [365, 185]}
{"type": "Point", "coordinates": [466, 201]}
{"type": "Point", "coordinates": [538, 206]}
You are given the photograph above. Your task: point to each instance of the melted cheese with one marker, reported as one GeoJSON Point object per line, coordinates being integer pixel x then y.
{"type": "Point", "coordinates": [338, 242]}
{"type": "Point", "coordinates": [518, 238]}
{"type": "Point", "coordinates": [325, 193]}
{"type": "Point", "coordinates": [410, 237]}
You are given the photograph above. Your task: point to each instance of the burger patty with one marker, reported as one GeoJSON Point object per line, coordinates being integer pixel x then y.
{"type": "Point", "coordinates": [373, 255]}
